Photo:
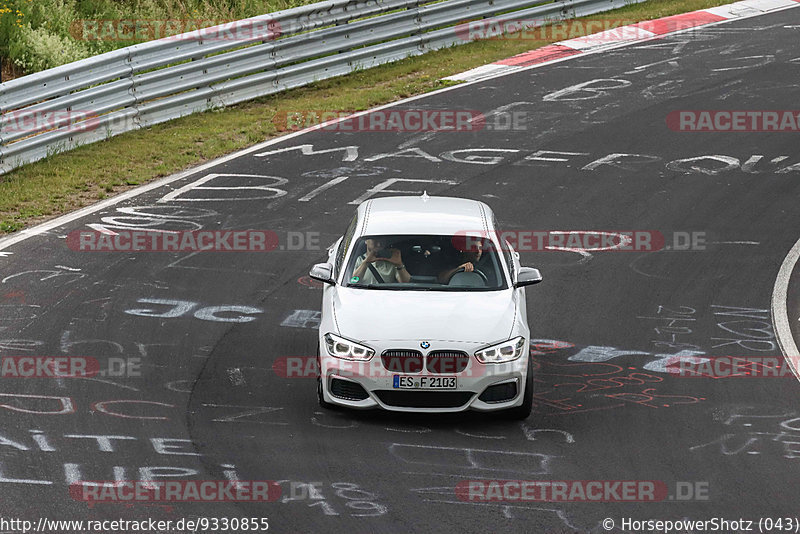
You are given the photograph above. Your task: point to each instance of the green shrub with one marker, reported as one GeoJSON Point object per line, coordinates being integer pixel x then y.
{"type": "Point", "coordinates": [41, 49]}
{"type": "Point", "coordinates": [41, 34]}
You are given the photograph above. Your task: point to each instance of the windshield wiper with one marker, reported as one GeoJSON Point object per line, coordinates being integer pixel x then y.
{"type": "Point", "coordinates": [407, 287]}
{"type": "Point", "coordinates": [391, 287]}
{"type": "Point", "coordinates": [466, 289]}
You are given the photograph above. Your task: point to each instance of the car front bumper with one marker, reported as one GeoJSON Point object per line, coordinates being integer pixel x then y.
{"type": "Point", "coordinates": [343, 382]}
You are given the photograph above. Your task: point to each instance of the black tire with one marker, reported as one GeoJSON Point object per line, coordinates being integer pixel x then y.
{"type": "Point", "coordinates": [524, 410]}
{"type": "Point", "coordinates": [320, 397]}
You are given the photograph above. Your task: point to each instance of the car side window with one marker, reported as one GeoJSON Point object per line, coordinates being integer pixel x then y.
{"type": "Point", "coordinates": [345, 245]}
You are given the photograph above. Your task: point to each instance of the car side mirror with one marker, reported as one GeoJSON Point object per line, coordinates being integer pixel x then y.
{"type": "Point", "coordinates": [322, 272]}
{"type": "Point", "coordinates": [528, 276]}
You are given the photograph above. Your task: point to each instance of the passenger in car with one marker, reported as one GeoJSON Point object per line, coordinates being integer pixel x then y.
{"type": "Point", "coordinates": [373, 269]}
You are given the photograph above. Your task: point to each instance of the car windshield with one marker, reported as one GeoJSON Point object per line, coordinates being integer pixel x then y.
{"type": "Point", "coordinates": [425, 263]}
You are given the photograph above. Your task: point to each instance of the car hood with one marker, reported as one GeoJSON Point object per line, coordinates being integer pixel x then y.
{"type": "Point", "coordinates": [383, 315]}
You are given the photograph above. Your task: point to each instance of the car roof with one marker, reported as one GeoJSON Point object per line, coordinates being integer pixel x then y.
{"type": "Point", "coordinates": [424, 215]}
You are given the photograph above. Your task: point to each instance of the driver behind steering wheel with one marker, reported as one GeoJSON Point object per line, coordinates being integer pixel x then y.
{"type": "Point", "coordinates": [470, 259]}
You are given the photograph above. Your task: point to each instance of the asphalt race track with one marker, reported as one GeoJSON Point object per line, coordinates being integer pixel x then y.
{"type": "Point", "coordinates": [208, 330]}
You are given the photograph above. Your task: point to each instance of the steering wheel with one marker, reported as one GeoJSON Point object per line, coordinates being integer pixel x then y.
{"type": "Point", "coordinates": [474, 270]}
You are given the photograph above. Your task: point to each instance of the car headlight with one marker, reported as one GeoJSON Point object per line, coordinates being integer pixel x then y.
{"type": "Point", "coordinates": [346, 349]}
{"type": "Point", "coordinates": [502, 352]}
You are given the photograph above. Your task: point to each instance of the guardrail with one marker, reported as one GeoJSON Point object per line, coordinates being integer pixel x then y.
{"type": "Point", "coordinates": [145, 84]}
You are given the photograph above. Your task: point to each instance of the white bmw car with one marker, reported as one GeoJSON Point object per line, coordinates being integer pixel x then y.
{"type": "Point", "coordinates": [423, 310]}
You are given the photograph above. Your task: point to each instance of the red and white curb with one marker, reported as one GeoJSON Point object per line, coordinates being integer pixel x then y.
{"type": "Point", "coordinates": [631, 33]}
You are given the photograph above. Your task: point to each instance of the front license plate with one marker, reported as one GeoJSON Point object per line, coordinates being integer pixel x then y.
{"type": "Point", "coordinates": [425, 382]}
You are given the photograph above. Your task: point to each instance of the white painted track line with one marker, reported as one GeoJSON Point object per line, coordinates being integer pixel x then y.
{"type": "Point", "coordinates": [780, 312]}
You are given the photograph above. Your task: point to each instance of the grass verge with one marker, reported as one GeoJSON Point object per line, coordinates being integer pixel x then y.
{"type": "Point", "coordinates": [68, 181]}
